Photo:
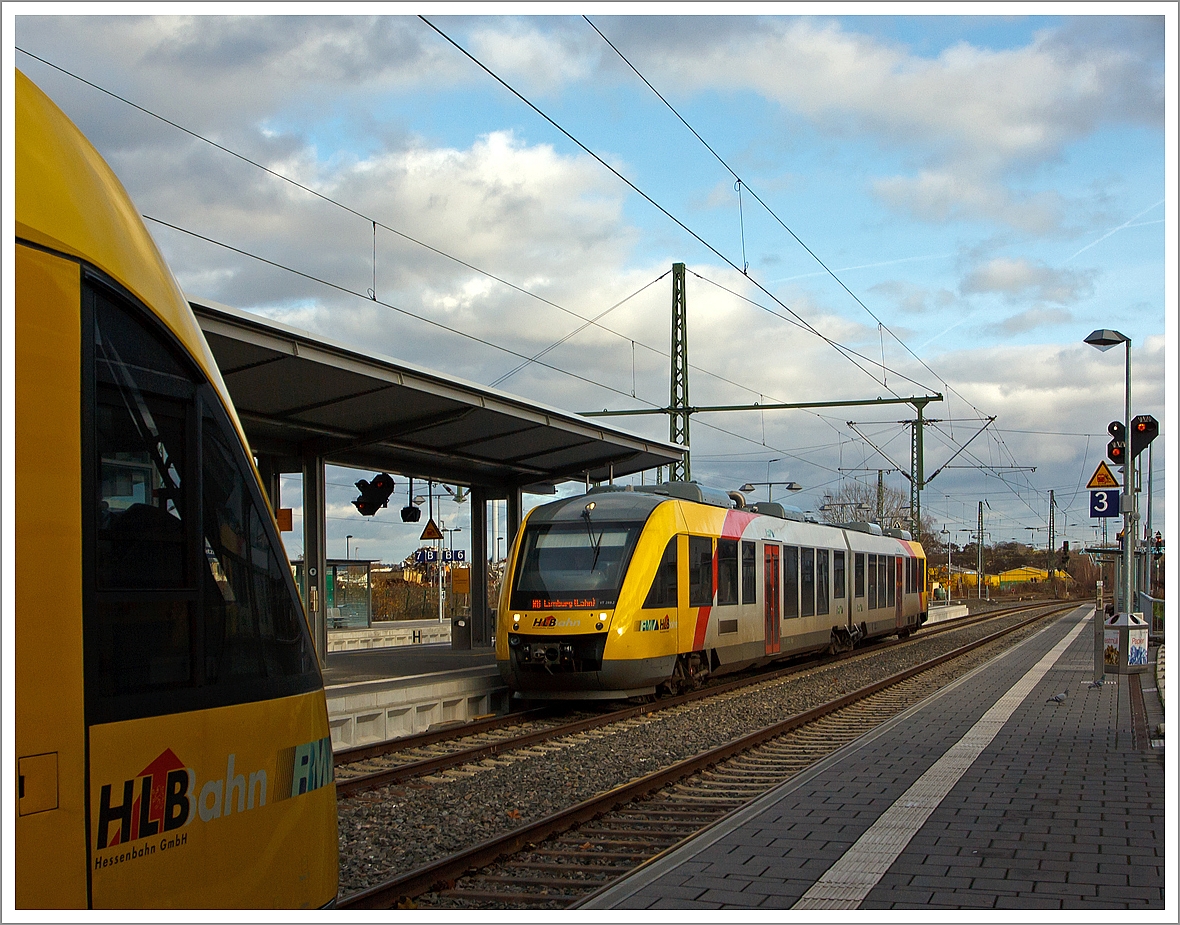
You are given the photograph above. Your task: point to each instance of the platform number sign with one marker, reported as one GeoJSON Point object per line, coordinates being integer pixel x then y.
{"type": "Point", "coordinates": [1104, 503]}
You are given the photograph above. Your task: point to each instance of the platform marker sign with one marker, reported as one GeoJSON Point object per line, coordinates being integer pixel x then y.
{"type": "Point", "coordinates": [1102, 478]}
{"type": "Point", "coordinates": [1104, 503]}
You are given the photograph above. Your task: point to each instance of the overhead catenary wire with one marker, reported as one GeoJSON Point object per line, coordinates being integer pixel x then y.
{"type": "Point", "coordinates": [667, 214]}
{"type": "Point", "coordinates": [802, 323]}
{"type": "Point", "coordinates": [374, 222]}
{"type": "Point", "coordinates": [438, 324]}
{"type": "Point", "coordinates": [739, 183]}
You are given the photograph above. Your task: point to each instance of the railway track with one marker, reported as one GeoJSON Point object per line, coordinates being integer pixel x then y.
{"type": "Point", "coordinates": [367, 767]}
{"type": "Point", "coordinates": [557, 860]}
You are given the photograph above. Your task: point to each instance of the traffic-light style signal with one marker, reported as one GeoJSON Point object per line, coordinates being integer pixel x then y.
{"type": "Point", "coordinates": [1116, 450]}
{"type": "Point", "coordinates": [411, 514]}
{"type": "Point", "coordinates": [1144, 429]}
{"type": "Point", "coordinates": [374, 494]}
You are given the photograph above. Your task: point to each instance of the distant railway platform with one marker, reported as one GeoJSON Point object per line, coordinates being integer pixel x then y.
{"type": "Point", "coordinates": [995, 792]}
{"type": "Point", "coordinates": [382, 693]}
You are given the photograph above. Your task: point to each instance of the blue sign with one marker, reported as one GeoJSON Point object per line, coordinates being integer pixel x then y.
{"type": "Point", "coordinates": [454, 555]}
{"type": "Point", "coordinates": [426, 555]}
{"type": "Point", "coordinates": [1104, 503]}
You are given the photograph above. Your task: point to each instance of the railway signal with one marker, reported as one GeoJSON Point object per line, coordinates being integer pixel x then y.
{"type": "Point", "coordinates": [1116, 450]}
{"type": "Point", "coordinates": [1144, 429]}
{"type": "Point", "coordinates": [374, 494]}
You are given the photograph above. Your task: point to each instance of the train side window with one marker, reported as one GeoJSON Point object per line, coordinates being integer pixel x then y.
{"type": "Point", "coordinates": [700, 571]}
{"type": "Point", "coordinates": [807, 582]}
{"type": "Point", "coordinates": [821, 581]}
{"type": "Point", "coordinates": [872, 581]}
{"type": "Point", "coordinates": [890, 563]}
{"type": "Point", "coordinates": [922, 575]}
{"type": "Point", "coordinates": [749, 573]}
{"type": "Point", "coordinates": [790, 581]}
{"type": "Point", "coordinates": [859, 575]}
{"type": "Point", "coordinates": [152, 532]}
{"type": "Point", "coordinates": [838, 574]}
{"type": "Point", "coordinates": [909, 575]}
{"type": "Point", "coordinates": [727, 572]}
{"type": "Point", "coordinates": [141, 443]}
{"type": "Point", "coordinates": [663, 586]}
{"type": "Point", "coordinates": [252, 629]}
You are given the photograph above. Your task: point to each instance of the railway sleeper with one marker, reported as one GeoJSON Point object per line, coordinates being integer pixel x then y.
{"type": "Point", "coordinates": [488, 896]}
{"type": "Point", "coordinates": [574, 865]}
{"type": "Point", "coordinates": [558, 882]}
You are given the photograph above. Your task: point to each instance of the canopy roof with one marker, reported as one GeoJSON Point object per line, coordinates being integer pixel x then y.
{"type": "Point", "coordinates": [296, 392]}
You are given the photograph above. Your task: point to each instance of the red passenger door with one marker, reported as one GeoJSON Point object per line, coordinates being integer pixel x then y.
{"type": "Point", "coordinates": [771, 592]}
{"type": "Point", "coordinates": [899, 581]}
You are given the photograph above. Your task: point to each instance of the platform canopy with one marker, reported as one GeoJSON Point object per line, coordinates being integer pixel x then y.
{"type": "Point", "coordinates": [296, 391]}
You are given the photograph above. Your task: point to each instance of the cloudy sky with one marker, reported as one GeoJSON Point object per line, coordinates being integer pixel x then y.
{"type": "Point", "coordinates": [926, 204]}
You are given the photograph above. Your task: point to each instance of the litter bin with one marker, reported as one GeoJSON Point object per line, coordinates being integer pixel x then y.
{"type": "Point", "coordinates": [461, 632]}
{"type": "Point", "coordinates": [1124, 644]}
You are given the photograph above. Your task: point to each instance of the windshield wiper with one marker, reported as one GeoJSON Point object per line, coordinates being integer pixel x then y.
{"type": "Point", "coordinates": [590, 533]}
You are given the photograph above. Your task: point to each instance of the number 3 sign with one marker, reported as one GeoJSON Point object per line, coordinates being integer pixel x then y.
{"type": "Point", "coordinates": [1104, 503]}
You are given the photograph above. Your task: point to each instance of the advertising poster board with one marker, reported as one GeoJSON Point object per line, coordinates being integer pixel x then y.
{"type": "Point", "coordinates": [1110, 647]}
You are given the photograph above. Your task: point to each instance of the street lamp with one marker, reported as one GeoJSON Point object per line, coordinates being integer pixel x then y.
{"type": "Point", "coordinates": [1104, 339]}
{"type": "Point", "coordinates": [947, 533]}
{"type": "Point", "coordinates": [347, 540]}
{"type": "Point", "coordinates": [789, 486]}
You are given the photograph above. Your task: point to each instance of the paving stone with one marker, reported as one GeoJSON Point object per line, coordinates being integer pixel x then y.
{"type": "Point", "coordinates": [1057, 812]}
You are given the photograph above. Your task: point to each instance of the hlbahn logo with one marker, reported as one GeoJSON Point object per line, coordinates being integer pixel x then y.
{"type": "Point", "coordinates": [163, 797]}
{"type": "Point", "coordinates": [553, 621]}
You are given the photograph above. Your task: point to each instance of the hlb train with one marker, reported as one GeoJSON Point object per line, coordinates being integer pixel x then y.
{"type": "Point", "coordinates": [625, 593]}
{"type": "Point", "coordinates": [171, 728]}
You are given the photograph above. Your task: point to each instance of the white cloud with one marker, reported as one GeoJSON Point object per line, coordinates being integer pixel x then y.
{"type": "Point", "coordinates": [1018, 279]}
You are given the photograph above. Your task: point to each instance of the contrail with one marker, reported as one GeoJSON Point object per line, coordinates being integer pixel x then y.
{"type": "Point", "coordinates": [866, 266]}
{"type": "Point", "coordinates": [1125, 224]}
{"type": "Point", "coordinates": [947, 331]}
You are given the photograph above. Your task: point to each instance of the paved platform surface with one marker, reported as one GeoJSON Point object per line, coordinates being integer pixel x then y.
{"type": "Point", "coordinates": [988, 795]}
{"type": "Point", "coordinates": [407, 662]}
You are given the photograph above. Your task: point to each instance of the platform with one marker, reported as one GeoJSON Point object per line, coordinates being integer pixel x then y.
{"type": "Point", "coordinates": [375, 695]}
{"type": "Point", "coordinates": [988, 794]}
{"type": "Point", "coordinates": [389, 633]}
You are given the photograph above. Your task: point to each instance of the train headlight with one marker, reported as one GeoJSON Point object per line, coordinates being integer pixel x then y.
{"type": "Point", "coordinates": [515, 620]}
{"type": "Point", "coordinates": [598, 626]}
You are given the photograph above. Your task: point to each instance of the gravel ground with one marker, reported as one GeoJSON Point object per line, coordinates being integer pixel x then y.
{"type": "Point", "coordinates": [392, 830]}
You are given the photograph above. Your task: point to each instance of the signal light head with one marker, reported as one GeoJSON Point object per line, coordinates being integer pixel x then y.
{"type": "Point", "coordinates": [374, 494]}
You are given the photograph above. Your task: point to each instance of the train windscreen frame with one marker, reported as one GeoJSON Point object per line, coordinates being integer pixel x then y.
{"type": "Point", "coordinates": [573, 565]}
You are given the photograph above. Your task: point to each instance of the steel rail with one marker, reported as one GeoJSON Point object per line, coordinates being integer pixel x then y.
{"type": "Point", "coordinates": [346, 787]}
{"type": "Point", "coordinates": [443, 872]}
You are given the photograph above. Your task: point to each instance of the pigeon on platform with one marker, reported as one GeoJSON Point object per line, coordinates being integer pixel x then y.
{"type": "Point", "coordinates": [1057, 698]}
{"type": "Point", "coordinates": [1098, 682]}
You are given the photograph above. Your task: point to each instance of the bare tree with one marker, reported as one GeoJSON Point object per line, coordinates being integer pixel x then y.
{"type": "Point", "coordinates": [856, 500]}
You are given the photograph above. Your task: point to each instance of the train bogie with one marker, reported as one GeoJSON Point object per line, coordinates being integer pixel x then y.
{"type": "Point", "coordinates": [666, 585]}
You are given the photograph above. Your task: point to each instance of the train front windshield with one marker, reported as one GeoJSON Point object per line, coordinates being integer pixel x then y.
{"type": "Point", "coordinates": [573, 566]}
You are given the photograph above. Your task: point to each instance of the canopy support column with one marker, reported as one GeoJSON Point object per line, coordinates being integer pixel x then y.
{"type": "Point", "coordinates": [314, 552]}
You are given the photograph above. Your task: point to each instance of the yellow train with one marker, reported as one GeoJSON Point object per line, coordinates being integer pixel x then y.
{"type": "Point", "coordinates": [171, 729]}
{"type": "Point", "coordinates": [630, 592]}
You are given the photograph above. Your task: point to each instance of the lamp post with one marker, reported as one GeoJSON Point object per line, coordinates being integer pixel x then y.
{"type": "Point", "coordinates": [1103, 339]}
{"type": "Point", "coordinates": [947, 533]}
{"type": "Point", "coordinates": [789, 486]}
